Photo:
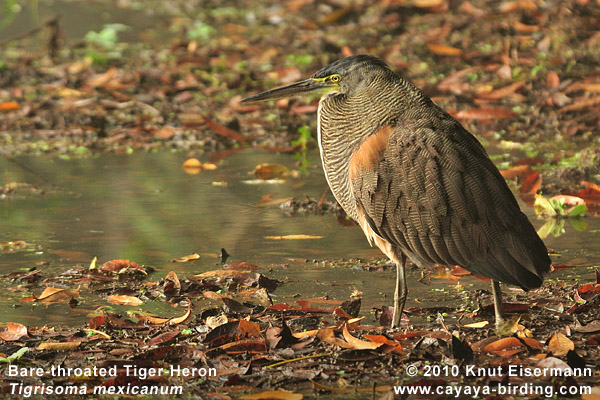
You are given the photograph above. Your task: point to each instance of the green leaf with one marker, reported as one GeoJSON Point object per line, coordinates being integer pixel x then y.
{"type": "Point", "coordinates": [14, 356]}
{"type": "Point", "coordinates": [578, 223]}
{"type": "Point", "coordinates": [577, 211]}
{"type": "Point", "coordinates": [543, 206]}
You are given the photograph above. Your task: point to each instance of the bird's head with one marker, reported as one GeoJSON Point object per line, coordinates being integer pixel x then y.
{"type": "Point", "coordinates": [345, 76]}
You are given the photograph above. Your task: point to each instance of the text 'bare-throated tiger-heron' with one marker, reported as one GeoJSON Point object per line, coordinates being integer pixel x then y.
{"type": "Point", "coordinates": [418, 183]}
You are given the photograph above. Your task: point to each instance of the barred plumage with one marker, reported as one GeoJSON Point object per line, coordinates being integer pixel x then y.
{"type": "Point", "coordinates": [418, 183]}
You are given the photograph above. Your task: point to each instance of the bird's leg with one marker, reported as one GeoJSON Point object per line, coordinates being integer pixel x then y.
{"type": "Point", "coordinates": [400, 293]}
{"type": "Point", "coordinates": [497, 293]}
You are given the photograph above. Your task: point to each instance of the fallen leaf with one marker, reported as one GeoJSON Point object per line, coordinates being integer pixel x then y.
{"type": "Point", "coordinates": [268, 200]}
{"type": "Point", "coordinates": [9, 106]}
{"type": "Point", "coordinates": [58, 346]}
{"type": "Point", "coordinates": [351, 389]}
{"type": "Point", "coordinates": [225, 131]}
{"type": "Point", "coordinates": [163, 338]}
{"type": "Point", "coordinates": [521, 171]}
{"type": "Point", "coordinates": [293, 237]}
{"type": "Point", "coordinates": [188, 258]}
{"type": "Point", "coordinates": [594, 394]}
{"type": "Point", "coordinates": [580, 105]}
{"type": "Point", "coordinates": [485, 113]}
{"type": "Point", "coordinates": [593, 326]}
{"type": "Point", "coordinates": [477, 325]}
{"type": "Point", "coordinates": [249, 329]}
{"type": "Point", "coordinates": [125, 300]}
{"type": "Point", "coordinates": [271, 171]}
{"type": "Point", "coordinates": [552, 79]}
{"type": "Point", "coordinates": [183, 318]}
{"type": "Point", "coordinates": [591, 185]}
{"type": "Point", "coordinates": [121, 267]}
{"type": "Point", "coordinates": [443, 50]}
{"type": "Point", "coordinates": [14, 331]}
{"type": "Point", "coordinates": [165, 133]}
{"type": "Point", "coordinates": [273, 394]}
{"type": "Point", "coordinates": [559, 344]}
{"type": "Point", "coordinates": [221, 273]}
{"type": "Point", "coordinates": [358, 344]}
{"type": "Point", "coordinates": [502, 344]}
{"type": "Point", "coordinates": [54, 295]}
{"type": "Point", "coordinates": [192, 166]}
{"type": "Point", "coordinates": [327, 335]}
{"type": "Point", "coordinates": [503, 92]}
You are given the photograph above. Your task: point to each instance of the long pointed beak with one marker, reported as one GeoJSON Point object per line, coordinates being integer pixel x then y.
{"type": "Point", "coordinates": [299, 88]}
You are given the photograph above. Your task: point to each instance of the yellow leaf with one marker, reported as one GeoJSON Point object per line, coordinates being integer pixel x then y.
{"type": "Point", "coordinates": [559, 344]}
{"type": "Point", "coordinates": [357, 343]}
{"type": "Point", "coordinates": [476, 325]}
{"type": "Point", "coordinates": [188, 258]}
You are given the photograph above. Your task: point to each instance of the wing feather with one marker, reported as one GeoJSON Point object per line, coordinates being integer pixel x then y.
{"type": "Point", "coordinates": [434, 194]}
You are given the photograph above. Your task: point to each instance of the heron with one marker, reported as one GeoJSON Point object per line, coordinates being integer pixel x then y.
{"type": "Point", "coordinates": [421, 186]}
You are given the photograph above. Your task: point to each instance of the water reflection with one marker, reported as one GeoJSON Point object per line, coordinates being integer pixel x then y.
{"type": "Point", "coordinates": [145, 208]}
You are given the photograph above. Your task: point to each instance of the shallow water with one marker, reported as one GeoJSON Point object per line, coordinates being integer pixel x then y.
{"type": "Point", "coordinates": [146, 208]}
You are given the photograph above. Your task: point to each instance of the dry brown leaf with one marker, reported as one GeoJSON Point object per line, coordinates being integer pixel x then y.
{"type": "Point", "coordinates": [268, 200]}
{"type": "Point", "coordinates": [102, 79]}
{"type": "Point", "coordinates": [358, 344]}
{"type": "Point", "coordinates": [502, 344]}
{"type": "Point", "coordinates": [559, 344]}
{"type": "Point", "coordinates": [486, 113]}
{"type": "Point", "coordinates": [125, 300]}
{"type": "Point", "coordinates": [14, 331]}
{"type": "Point", "coordinates": [328, 336]}
{"type": "Point", "coordinates": [209, 294]}
{"type": "Point", "coordinates": [172, 276]}
{"type": "Point", "coordinates": [532, 184]}
{"type": "Point", "coordinates": [54, 295]}
{"type": "Point", "coordinates": [271, 171]}
{"type": "Point", "coordinates": [552, 79]}
{"type": "Point", "coordinates": [249, 329]}
{"type": "Point", "coordinates": [521, 171]}
{"type": "Point", "coordinates": [503, 92]}
{"type": "Point", "coordinates": [580, 105]}
{"type": "Point", "coordinates": [58, 346]}
{"type": "Point", "coordinates": [335, 15]}
{"type": "Point", "coordinates": [443, 50]}
{"type": "Point", "coordinates": [305, 334]}
{"type": "Point", "coordinates": [183, 318]}
{"type": "Point", "coordinates": [225, 131]}
{"type": "Point", "coordinates": [152, 319]}
{"type": "Point", "coordinates": [221, 273]}
{"type": "Point", "coordinates": [383, 340]}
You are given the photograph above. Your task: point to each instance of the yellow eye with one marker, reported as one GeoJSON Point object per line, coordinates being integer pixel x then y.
{"type": "Point", "coordinates": [335, 78]}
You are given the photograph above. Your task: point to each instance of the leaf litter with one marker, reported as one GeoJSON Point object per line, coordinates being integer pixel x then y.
{"type": "Point", "coordinates": [304, 345]}
{"type": "Point", "coordinates": [513, 84]}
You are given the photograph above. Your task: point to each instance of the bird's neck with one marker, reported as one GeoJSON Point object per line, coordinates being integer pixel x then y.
{"type": "Point", "coordinates": [344, 121]}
